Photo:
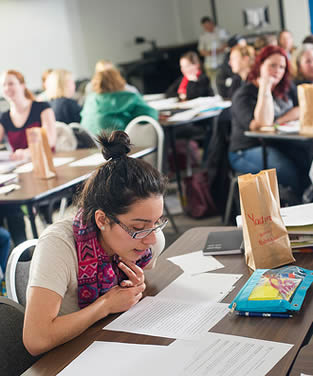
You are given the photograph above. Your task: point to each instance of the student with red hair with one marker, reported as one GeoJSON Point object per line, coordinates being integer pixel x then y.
{"type": "Point", "coordinates": [268, 98]}
{"type": "Point", "coordinates": [24, 113]}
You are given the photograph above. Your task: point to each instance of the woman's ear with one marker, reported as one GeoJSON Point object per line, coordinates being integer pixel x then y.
{"type": "Point", "coordinates": [101, 219]}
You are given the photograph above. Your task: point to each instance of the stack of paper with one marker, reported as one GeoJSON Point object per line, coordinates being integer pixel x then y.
{"type": "Point", "coordinates": [7, 164]}
{"type": "Point", "coordinates": [299, 223]}
{"type": "Point", "coordinates": [8, 179]}
{"type": "Point", "coordinates": [298, 220]}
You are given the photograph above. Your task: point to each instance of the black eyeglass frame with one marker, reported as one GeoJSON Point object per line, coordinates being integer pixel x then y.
{"type": "Point", "coordinates": [134, 234]}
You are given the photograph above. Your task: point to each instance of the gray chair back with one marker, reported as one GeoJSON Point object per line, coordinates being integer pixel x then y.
{"type": "Point", "coordinates": [17, 271]}
{"type": "Point", "coordinates": [21, 280]}
{"type": "Point", "coordinates": [84, 138]}
{"type": "Point", "coordinates": [14, 358]}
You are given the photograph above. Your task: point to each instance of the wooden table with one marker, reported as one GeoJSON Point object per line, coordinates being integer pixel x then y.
{"type": "Point", "coordinates": [304, 361]}
{"type": "Point", "coordinates": [34, 190]}
{"type": "Point", "coordinates": [291, 331]}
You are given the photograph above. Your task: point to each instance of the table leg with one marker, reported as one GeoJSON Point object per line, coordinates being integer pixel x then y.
{"type": "Point", "coordinates": [264, 153]}
{"type": "Point", "coordinates": [172, 137]}
{"type": "Point", "coordinates": [32, 220]}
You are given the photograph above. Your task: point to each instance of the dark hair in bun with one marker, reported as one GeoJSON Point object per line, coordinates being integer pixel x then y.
{"type": "Point", "coordinates": [119, 182]}
{"type": "Point", "coordinates": [114, 146]}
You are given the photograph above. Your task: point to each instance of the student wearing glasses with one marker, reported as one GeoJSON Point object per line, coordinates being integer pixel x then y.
{"type": "Point", "coordinates": [86, 268]}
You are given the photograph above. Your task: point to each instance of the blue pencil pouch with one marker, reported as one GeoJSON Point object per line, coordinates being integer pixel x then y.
{"type": "Point", "coordinates": [274, 290]}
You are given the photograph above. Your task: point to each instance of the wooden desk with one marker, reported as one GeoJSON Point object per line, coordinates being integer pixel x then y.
{"type": "Point", "coordinates": [280, 330]}
{"type": "Point", "coordinates": [33, 190]}
{"type": "Point", "coordinates": [304, 362]}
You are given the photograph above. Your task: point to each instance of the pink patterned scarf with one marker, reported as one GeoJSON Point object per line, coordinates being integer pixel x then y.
{"type": "Point", "coordinates": [97, 273]}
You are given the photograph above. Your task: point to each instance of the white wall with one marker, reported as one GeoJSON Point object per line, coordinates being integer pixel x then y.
{"type": "Point", "coordinates": [74, 34]}
{"type": "Point", "coordinates": [110, 27]}
{"type": "Point", "coordinates": [300, 24]}
{"type": "Point", "coordinates": [35, 35]}
{"type": "Point", "coordinates": [189, 16]}
{"type": "Point", "coordinates": [231, 18]}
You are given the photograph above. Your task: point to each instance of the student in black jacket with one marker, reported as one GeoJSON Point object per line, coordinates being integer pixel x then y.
{"type": "Point", "coordinates": [60, 87]}
{"type": "Point", "coordinates": [193, 83]}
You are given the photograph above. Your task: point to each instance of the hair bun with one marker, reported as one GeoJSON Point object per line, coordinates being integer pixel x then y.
{"type": "Point", "coordinates": [115, 145]}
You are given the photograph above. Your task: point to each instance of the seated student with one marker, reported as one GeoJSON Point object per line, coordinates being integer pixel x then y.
{"type": "Point", "coordinates": [240, 60]}
{"type": "Point", "coordinates": [265, 99]}
{"type": "Point", "coordinates": [193, 83]}
{"type": "Point", "coordinates": [42, 97]}
{"type": "Point", "coordinates": [60, 88]}
{"type": "Point", "coordinates": [101, 66]}
{"type": "Point", "coordinates": [303, 65]}
{"type": "Point", "coordinates": [110, 107]}
{"type": "Point", "coordinates": [263, 41]}
{"type": "Point", "coordinates": [285, 41]}
{"type": "Point", "coordinates": [24, 113]}
{"type": "Point", "coordinates": [225, 75]}
{"type": "Point", "coordinates": [117, 228]}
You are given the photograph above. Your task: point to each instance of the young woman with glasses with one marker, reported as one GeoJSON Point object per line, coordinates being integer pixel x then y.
{"type": "Point", "coordinates": [86, 268]}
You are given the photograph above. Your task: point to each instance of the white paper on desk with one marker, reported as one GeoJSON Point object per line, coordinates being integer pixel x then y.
{"type": "Point", "coordinates": [195, 262]}
{"type": "Point", "coordinates": [201, 101]}
{"type": "Point", "coordinates": [6, 178]}
{"type": "Point", "coordinates": [91, 160]}
{"type": "Point", "coordinates": [8, 166]}
{"type": "Point", "coordinates": [164, 104]}
{"type": "Point", "coordinates": [290, 127]}
{"type": "Point", "coordinates": [221, 354]}
{"type": "Point", "coordinates": [200, 288]}
{"type": "Point", "coordinates": [5, 155]}
{"type": "Point", "coordinates": [111, 358]}
{"type": "Point", "coordinates": [168, 318]}
{"type": "Point", "coordinates": [57, 161]}
{"type": "Point", "coordinates": [153, 97]}
{"type": "Point", "coordinates": [9, 188]}
{"type": "Point", "coordinates": [298, 215]}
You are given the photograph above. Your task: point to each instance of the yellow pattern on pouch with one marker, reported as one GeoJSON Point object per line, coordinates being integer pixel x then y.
{"type": "Point", "coordinates": [265, 292]}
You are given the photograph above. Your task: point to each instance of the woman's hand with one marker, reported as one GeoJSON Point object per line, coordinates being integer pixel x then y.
{"type": "Point", "coordinates": [20, 154]}
{"type": "Point", "coordinates": [134, 273]}
{"type": "Point", "coordinates": [265, 80]}
{"type": "Point", "coordinates": [120, 299]}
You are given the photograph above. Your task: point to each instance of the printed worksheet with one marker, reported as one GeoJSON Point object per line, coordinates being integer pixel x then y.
{"type": "Point", "coordinates": [171, 319]}
{"type": "Point", "coordinates": [227, 355]}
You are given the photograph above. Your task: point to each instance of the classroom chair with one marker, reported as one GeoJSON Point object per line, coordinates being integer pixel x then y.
{"type": "Point", "coordinates": [17, 272]}
{"type": "Point", "coordinates": [14, 358]}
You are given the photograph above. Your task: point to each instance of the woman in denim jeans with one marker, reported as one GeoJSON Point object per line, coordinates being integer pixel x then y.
{"type": "Point", "coordinates": [267, 98]}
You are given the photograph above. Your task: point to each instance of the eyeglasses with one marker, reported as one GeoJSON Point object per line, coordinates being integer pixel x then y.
{"type": "Point", "coordinates": [142, 233]}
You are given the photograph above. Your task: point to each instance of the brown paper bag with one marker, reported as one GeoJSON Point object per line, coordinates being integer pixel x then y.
{"type": "Point", "coordinates": [40, 153]}
{"type": "Point", "coordinates": [305, 97]}
{"type": "Point", "coordinates": [265, 236]}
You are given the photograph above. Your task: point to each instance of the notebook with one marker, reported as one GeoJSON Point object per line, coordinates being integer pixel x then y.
{"type": "Point", "coordinates": [223, 243]}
